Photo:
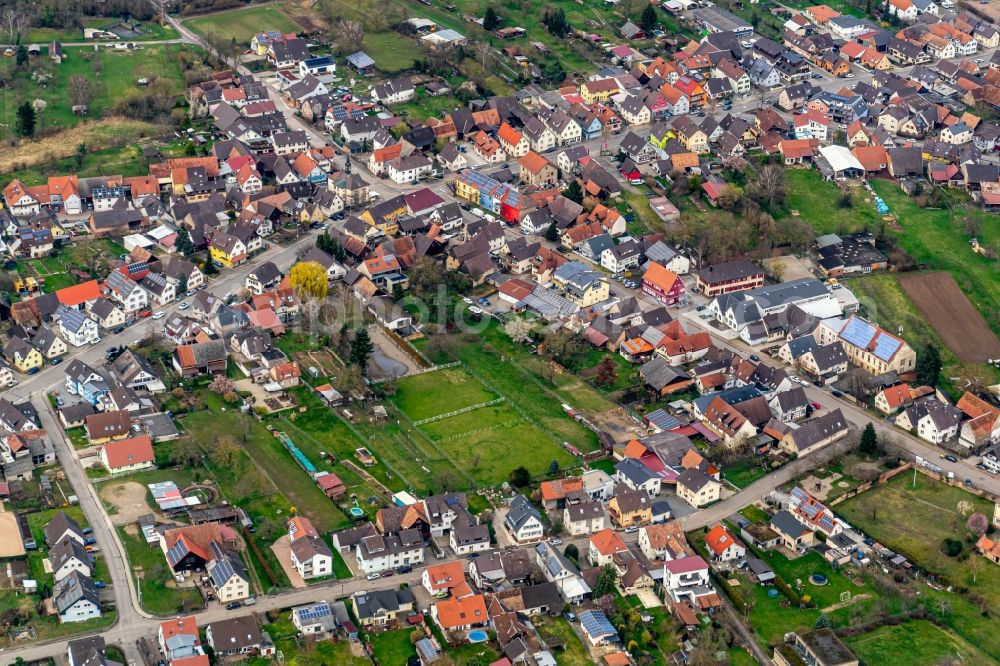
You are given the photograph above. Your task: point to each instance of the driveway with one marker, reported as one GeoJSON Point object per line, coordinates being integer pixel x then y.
{"type": "Point", "coordinates": [282, 549]}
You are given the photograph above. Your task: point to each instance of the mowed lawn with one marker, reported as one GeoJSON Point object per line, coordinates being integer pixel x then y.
{"type": "Point", "coordinates": [814, 200]}
{"type": "Point", "coordinates": [242, 24]}
{"type": "Point", "coordinates": [914, 520]}
{"type": "Point", "coordinates": [440, 392]}
{"type": "Point", "coordinates": [492, 441]}
{"type": "Point", "coordinates": [922, 642]}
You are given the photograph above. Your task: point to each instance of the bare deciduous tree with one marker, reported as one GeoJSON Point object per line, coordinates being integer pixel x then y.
{"type": "Point", "coordinates": [349, 35]}
{"type": "Point", "coordinates": [13, 22]}
{"type": "Point", "coordinates": [769, 185]}
{"type": "Point", "coordinates": [79, 90]}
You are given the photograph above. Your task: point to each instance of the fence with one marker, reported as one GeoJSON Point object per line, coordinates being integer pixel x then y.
{"type": "Point", "coordinates": [470, 408]}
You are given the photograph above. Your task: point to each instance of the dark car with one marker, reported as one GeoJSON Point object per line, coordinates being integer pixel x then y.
{"type": "Point", "coordinates": [118, 329]}
{"type": "Point", "coordinates": [405, 569]}
{"type": "Point", "coordinates": [56, 361]}
{"type": "Point", "coordinates": [387, 574]}
{"type": "Point", "coordinates": [951, 458]}
{"type": "Point", "coordinates": [233, 605]}
{"type": "Point", "coordinates": [34, 371]}
{"type": "Point", "coordinates": [837, 394]}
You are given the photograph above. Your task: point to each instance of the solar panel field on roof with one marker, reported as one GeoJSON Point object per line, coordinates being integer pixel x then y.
{"type": "Point", "coordinates": [596, 623]}
{"type": "Point", "coordinates": [858, 332]}
{"type": "Point", "coordinates": [886, 346]}
{"type": "Point", "coordinates": [314, 612]}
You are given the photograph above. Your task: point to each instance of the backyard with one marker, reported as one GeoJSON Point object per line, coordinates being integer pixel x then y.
{"type": "Point", "coordinates": [150, 30]}
{"type": "Point", "coordinates": [913, 515]}
{"type": "Point", "coordinates": [157, 590]}
{"type": "Point", "coordinates": [59, 270]}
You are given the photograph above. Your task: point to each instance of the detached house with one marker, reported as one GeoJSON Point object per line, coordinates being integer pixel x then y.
{"type": "Point", "coordinates": [523, 522]}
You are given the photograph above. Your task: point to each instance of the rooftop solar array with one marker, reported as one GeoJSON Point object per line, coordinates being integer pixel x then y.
{"type": "Point", "coordinates": [177, 552]}
{"type": "Point", "coordinates": [858, 332]}
{"type": "Point", "coordinates": [314, 612]}
{"type": "Point", "coordinates": [596, 623]}
{"type": "Point", "coordinates": [886, 345]}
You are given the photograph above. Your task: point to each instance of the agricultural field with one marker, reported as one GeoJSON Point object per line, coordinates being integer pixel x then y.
{"type": "Point", "coordinates": [952, 316]}
{"type": "Point", "coordinates": [243, 23]}
{"type": "Point", "coordinates": [937, 239]}
{"type": "Point", "coordinates": [113, 76]}
{"type": "Point", "coordinates": [913, 515]}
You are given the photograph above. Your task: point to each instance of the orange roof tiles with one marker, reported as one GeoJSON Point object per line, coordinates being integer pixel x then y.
{"type": "Point", "coordinates": [660, 276]}
{"type": "Point", "coordinates": [607, 542]}
{"type": "Point", "coordinates": [134, 451]}
{"type": "Point", "coordinates": [509, 135]}
{"type": "Point", "coordinates": [80, 293]}
{"type": "Point", "coordinates": [452, 613]}
{"type": "Point", "coordinates": [719, 539]}
{"type": "Point", "coordinates": [533, 162]}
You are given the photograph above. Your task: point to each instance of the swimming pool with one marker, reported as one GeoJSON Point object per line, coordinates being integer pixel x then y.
{"type": "Point", "coordinates": [356, 511]}
{"type": "Point", "coordinates": [477, 636]}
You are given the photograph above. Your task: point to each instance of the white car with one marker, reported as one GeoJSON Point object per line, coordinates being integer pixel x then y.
{"type": "Point", "coordinates": [184, 306]}
{"type": "Point", "coordinates": [158, 314]}
{"type": "Point", "coordinates": [372, 576]}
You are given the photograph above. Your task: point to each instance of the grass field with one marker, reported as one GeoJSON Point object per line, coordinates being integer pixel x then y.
{"type": "Point", "coordinates": [575, 653]}
{"type": "Point", "coordinates": [305, 653]}
{"type": "Point", "coordinates": [393, 647]}
{"type": "Point", "coordinates": [914, 520]}
{"type": "Point", "coordinates": [435, 393]}
{"type": "Point", "coordinates": [811, 196]}
{"type": "Point", "coordinates": [923, 643]}
{"type": "Point", "coordinates": [936, 238]}
{"type": "Point", "coordinates": [113, 75]}
{"type": "Point", "coordinates": [486, 443]}
{"type": "Point", "coordinates": [242, 24]}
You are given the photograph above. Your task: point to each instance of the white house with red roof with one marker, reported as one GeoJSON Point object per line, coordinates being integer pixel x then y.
{"type": "Point", "coordinates": [723, 544]}
{"type": "Point", "coordinates": [128, 455]}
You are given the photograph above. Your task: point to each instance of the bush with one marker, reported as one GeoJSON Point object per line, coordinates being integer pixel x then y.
{"type": "Point", "coordinates": [951, 547]}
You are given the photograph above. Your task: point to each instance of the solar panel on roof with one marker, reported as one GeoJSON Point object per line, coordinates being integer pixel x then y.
{"type": "Point", "coordinates": [858, 332]}
{"type": "Point", "coordinates": [596, 623]}
{"type": "Point", "coordinates": [314, 612]}
{"type": "Point", "coordinates": [177, 552]}
{"type": "Point", "coordinates": [886, 346]}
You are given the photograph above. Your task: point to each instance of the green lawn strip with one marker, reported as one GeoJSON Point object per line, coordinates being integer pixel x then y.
{"type": "Point", "coordinates": [743, 473]}
{"type": "Point", "coordinates": [440, 392]}
{"type": "Point", "coordinates": [158, 593]}
{"type": "Point", "coordinates": [393, 647]}
{"type": "Point", "coordinates": [270, 456]}
{"type": "Point", "coordinates": [424, 105]}
{"type": "Point", "coordinates": [78, 437]}
{"type": "Point", "coordinates": [923, 643]}
{"type": "Point", "coordinates": [242, 24]}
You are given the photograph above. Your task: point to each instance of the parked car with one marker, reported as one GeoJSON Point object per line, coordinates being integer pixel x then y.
{"type": "Point", "coordinates": [387, 574]}
{"type": "Point", "coordinates": [184, 306]}
{"type": "Point", "coordinates": [372, 576]}
{"type": "Point", "coordinates": [159, 314]}
{"type": "Point", "coordinates": [233, 605]}
{"type": "Point", "coordinates": [951, 458]}
{"type": "Point", "coordinates": [555, 542]}
{"type": "Point", "coordinates": [405, 569]}
{"type": "Point", "coordinates": [118, 329]}
{"type": "Point", "coordinates": [836, 393]}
